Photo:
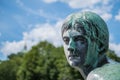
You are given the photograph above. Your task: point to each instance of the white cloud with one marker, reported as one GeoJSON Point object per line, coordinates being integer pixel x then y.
{"type": "Point", "coordinates": [101, 7]}
{"type": "Point", "coordinates": [106, 16]}
{"type": "Point", "coordinates": [111, 38]}
{"type": "Point", "coordinates": [49, 1]}
{"type": "Point", "coordinates": [117, 17]}
{"type": "Point", "coordinates": [81, 3]}
{"type": "Point", "coordinates": [115, 47]}
{"type": "Point", "coordinates": [78, 3]}
{"type": "Point", "coordinates": [45, 31]}
{"type": "Point", "coordinates": [41, 32]}
{"type": "Point", "coordinates": [12, 47]}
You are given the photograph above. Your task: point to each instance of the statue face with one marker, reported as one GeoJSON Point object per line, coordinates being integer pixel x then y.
{"type": "Point", "coordinates": [75, 47]}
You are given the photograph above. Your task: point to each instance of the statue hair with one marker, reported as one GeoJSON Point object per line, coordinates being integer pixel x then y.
{"type": "Point", "coordinates": [96, 33]}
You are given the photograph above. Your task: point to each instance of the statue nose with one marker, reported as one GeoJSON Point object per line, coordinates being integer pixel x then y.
{"type": "Point", "coordinates": [71, 45]}
{"type": "Point", "coordinates": [70, 49]}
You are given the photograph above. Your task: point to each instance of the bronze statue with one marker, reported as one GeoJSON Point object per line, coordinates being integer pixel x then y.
{"type": "Point", "coordinates": [86, 40]}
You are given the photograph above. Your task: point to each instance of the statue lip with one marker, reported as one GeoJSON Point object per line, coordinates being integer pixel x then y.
{"type": "Point", "coordinates": [72, 54]}
{"type": "Point", "coordinates": [71, 57]}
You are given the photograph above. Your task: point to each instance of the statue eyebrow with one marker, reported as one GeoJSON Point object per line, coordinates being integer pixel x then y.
{"type": "Point", "coordinates": [79, 36]}
{"type": "Point", "coordinates": [82, 36]}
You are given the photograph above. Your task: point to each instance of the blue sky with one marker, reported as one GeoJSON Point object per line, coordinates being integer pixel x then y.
{"type": "Point", "coordinates": [25, 22]}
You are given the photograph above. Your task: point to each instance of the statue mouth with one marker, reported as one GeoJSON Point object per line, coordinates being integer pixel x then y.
{"type": "Point", "coordinates": [74, 57]}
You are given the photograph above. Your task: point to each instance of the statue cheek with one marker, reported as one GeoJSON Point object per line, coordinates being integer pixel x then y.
{"type": "Point", "coordinates": [65, 50]}
{"type": "Point", "coordinates": [81, 47]}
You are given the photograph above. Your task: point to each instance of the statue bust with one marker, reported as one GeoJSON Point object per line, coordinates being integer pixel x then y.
{"type": "Point", "coordinates": [86, 38]}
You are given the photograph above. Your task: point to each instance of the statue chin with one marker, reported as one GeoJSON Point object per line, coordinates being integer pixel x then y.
{"type": "Point", "coordinates": [74, 63]}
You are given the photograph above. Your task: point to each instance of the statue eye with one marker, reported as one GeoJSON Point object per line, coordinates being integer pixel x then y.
{"type": "Point", "coordinates": [66, 40]}
{"type": "Point", "coordinates": [80, 38]}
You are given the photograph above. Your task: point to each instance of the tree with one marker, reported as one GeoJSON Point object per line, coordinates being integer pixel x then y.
{"type": "Point", "coordinates": [43, 62]}
{"type": "Point", "coordinates": [111, 54]}
{"type": "Point", "coordinates": [8, 68]}
{"type": "Point", "coordinates": [46, 62]}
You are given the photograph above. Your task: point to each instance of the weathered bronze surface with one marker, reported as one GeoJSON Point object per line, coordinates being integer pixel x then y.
{"type": "Point", "coordinates": [86, 39]}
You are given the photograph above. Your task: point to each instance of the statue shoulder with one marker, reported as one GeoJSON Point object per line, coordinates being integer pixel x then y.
{"type": "Point", "coordinates": [106, 72]}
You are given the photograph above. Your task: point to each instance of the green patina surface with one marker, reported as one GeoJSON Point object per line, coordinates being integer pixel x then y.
{"type": "Point", "coordinates": [96, 34]}
{"type": "Point", "coordinates": [107, 72]}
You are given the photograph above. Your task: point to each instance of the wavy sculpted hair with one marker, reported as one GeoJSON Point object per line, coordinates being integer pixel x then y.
{"type": "Point", "coordinates": [96, 33]}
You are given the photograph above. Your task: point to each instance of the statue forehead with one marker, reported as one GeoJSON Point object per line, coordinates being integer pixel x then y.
{"type": "Point", "coordinates": [71, 33]}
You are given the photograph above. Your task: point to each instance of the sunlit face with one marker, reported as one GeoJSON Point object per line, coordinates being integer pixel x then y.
{"type": "Point", "coordinates": [75, 47]}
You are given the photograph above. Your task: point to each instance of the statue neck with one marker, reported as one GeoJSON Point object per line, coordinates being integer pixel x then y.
{"type": "Point", "coordinates": [102, 60]}
{"type": "Point", "coordinates": [85, 70]}
{"type": "Point", "coordinates": [82, 72]}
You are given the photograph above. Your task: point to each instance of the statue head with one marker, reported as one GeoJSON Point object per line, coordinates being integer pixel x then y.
{"type": "Point", "coordinates": [85, 36]}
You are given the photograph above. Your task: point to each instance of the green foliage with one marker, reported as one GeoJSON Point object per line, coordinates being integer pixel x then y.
{"type": "Point", "coordinates": [46, 62]}
{"type": "Point", "coordinates": [9, 68]}
{"type": "Point", "coordinates": [18, 55]}
{"type": "Point", "coordinates": [6, 71]}
{"type": "Point", "coordinates": [111, 54]}
{"type": "Point", "coordinates": [43, 62]}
